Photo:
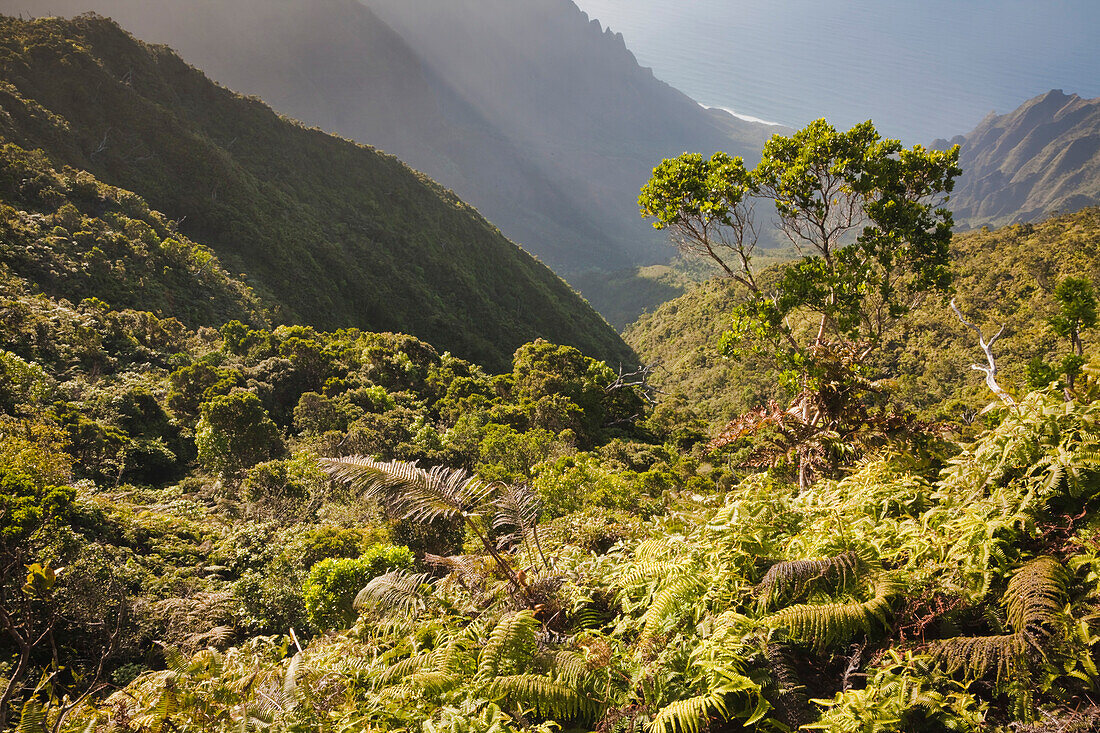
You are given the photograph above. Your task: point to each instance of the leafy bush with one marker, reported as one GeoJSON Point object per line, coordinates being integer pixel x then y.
{"type": "Point", "coordinates": [322, 543]}
{"type": "Point", "coordinates": [26, 504]}
{"type": "Point", "coordinates": [235, 433]}
{"type": "Point", "coordinates": [284, 481]}
{"type": "Point", "coordinates": [333, 584]}
{"type": "Point", "coordinates": [583, 481]}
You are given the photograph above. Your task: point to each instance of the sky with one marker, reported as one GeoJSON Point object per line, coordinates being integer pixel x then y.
{"type": "Point", "coordinates": [921, 69]}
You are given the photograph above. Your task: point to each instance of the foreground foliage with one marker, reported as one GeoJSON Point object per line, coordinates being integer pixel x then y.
{"type": "Point", "coordinates": [905, 596]}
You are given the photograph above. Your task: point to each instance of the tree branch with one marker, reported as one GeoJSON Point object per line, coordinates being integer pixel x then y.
{"type": "Point", "coordinates": [987, 346]}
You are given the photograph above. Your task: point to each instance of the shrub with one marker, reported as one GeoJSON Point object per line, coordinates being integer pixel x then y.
{"type": "Point", "coordinates": [235, 433]}
{"type": "Point", "coordinates": [332, 584]}
{"type": "Point", "coordinates": [27, 504]}
{"type": "Point", "coordinates": [325, 542]}
{"type": "Point", "coordinates": [284, 481]}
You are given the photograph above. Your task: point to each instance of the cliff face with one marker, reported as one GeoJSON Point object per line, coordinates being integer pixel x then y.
{"type": "Point", "coordinates": [329, 233]}
{"type": "Point", "coordinates": [1042, 157]}
{"type": "Point", "coordinates": [528, 110]}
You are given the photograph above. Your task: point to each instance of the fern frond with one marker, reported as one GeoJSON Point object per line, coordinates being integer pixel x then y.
{"type": "Point", "coordinates": [1034, 600]}
{"type": "Point", "coordinates": [665, 601]}
{"type": "Point", "coordinates": [792, 580]}
{"type": "Point", "coordinates": [548, 698]}
{"type": "Point", "coordinates": [32, 719]}
{"type": "Point", "coordinates": [166, 706]}
{"type": "Point", "coordinates": [1036, 595]}
{"type": "Point", "coordinates": [511, 643]}
{"type": "Point", "coordinates": [563, 665]}
{"type": "Point", "coordinates": [517, 508]}
{"type": "Point", "coordinates": [217, 636]}
{"type": "Point", "coordinates": [406, 667]}
{"type": "Point", "coordinates": [978, 656]}
{"type": "Point", "coordinates": [410, 491]}
{"type": "Point", "coordinates": [791, 702]}
{"type": "Point", "coordinates": [175, 660]}
{"type": "Point", "coordinates": [822, 625]}
{"type": "Point", "coordinates": [396, 592]}
{"type": "Point", "coordinates": [257, 717]}
{"type": "Point", "coordinates": [434, 683]}
{"type": "Point", "coordinates": [290, 680]}
{"type": "Point", "coordinates": [650, 569]}
{"type": "Point", "coordinates": [690, 715]}
{"type": "Point", "coordinates": [654, 548]}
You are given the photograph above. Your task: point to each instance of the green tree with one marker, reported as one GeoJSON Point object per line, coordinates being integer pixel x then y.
{"type": "Point", "coordinates": [1076, 299]}
{"type": "Point", "coordinates": [866, 216]}
{"type": "Point", "coordinates": [235, 433]}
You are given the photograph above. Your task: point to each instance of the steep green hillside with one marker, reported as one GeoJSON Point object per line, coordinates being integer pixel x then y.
{"type": "Point", "coordinates": [189, 541]}
{"type": "Point", "coordinates": [529, 111]}
{"type": "Point", "coordinates": [74, 237]}
{"type": "Point", "coordinates": [328, 232]}
{"type": "Point", "coordinates": [1001, 277]}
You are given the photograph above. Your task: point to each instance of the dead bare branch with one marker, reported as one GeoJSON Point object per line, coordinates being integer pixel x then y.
{"type": "Point", "coordinates": [987, 347]}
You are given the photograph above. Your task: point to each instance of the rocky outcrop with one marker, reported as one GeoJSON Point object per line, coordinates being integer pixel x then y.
{"type": "Point", "coordinates": [1040, 158]}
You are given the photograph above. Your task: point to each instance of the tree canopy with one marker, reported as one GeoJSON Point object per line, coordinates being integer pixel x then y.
{"type": "Point", "coordinates": [866, 216]}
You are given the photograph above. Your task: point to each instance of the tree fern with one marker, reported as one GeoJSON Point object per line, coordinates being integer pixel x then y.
{"type": "Point", "coordinates": [424, 495]}
{"type": "Point", "coordinates": [517, 508]}
{"type": "Point", "coordinates": [410, 491]}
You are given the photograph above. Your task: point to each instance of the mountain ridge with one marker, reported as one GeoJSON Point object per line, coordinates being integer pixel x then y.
{"type": "Point", "coordinates": [523, 138]}
{"type": "Point", "coordinates": [1044, 156]}
{"type": "Point", "coordinates": [332, 232]}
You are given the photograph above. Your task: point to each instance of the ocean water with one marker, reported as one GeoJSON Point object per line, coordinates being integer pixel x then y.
{"type": "Point", "coordinates": [921, 69]}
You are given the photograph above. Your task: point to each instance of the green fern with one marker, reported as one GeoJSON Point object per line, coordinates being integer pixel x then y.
{"type": "Point", "coordinates": [669, 599]}
{"type": "Point", "coordinates": [32, 719]}
{"type": "Point", "coordinates": [566, 666]}
{"type": "Point", "coordinates": [792, 580]}
{"type": "Point", "coordinates": [511, 644]}
{"type": "Point", "coordinates": [645, 570]}
{"type": "Point", "coordinates": [1035, 597]}
{"type": "Point", "coordinates": [691, 714]}
{"type": "Point", "coordinates": [434, 682]}
{"type": "Point", "coordinates": [410, 491]}
{"type": "Point", "coordinates": [823, 625]}
{"type": "Point", "coordinates": [398, 592]}
{"type": "Point", "coordinates": [546, 696]}
{"type": "Point", "coordinates": [1033, 601]}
